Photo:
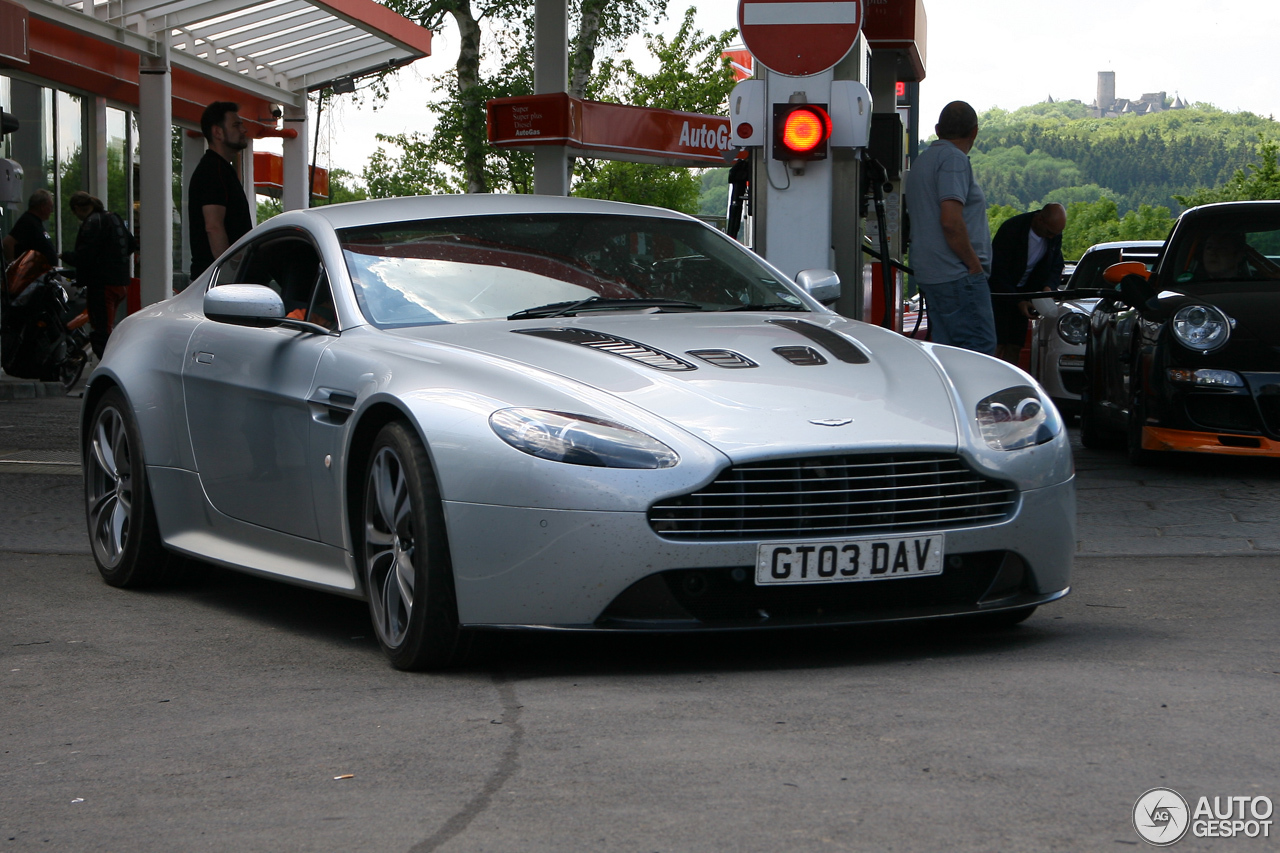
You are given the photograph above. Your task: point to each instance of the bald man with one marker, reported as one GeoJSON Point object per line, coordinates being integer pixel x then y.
{"type": "Point", "coordinates": [1026, 258]}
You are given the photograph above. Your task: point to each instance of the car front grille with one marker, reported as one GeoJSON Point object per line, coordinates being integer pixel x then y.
{"type": "Point", "coordinates": [1269, 405]}
{"type": "Point", "coordinates": [849, 495]}
{"type": "Point", "coordinates": [1223, 411]}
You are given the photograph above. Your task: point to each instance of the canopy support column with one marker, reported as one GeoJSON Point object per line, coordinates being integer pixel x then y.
{"type": "Point", "coordinates": [246, 179]}
{"type": "Point", "coordinates": [296, 194]}
{"type": "Point", "coordinates": [155, 129]}
{"type": "Point", "coordinates": [551, 74]}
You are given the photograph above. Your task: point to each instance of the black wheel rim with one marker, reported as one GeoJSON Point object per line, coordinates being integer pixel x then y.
{"type": "Point", "coordinates": [390, 547]}
{"type": "Point", "coordinates": [109, 487]}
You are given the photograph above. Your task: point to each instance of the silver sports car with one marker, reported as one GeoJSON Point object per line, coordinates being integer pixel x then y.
{"type": "Point", "coordinates": [532, 412]}
{"type": "Point", "coordinates": [1058, 336]}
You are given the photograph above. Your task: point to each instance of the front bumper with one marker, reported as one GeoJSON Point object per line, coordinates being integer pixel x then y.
{"type": "Point", "coordinates": [518, 567]}
{"type": "Point", "coordinates": [1232, 421]}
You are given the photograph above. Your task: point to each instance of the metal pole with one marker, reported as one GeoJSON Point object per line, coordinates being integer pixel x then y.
{"type": "Point", "coordinates": [551, 74]}
{"type": "Point", "coordinates": [155, 127]}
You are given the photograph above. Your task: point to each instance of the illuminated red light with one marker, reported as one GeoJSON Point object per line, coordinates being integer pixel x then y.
{"type": "Point", "coordinates": [805, 130]}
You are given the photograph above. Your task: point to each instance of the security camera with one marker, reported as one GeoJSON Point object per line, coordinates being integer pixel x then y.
{"type": "Point", "coordinates": [276, 111]}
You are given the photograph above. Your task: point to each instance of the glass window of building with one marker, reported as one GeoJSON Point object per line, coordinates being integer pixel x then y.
{"type": "Point", "coordinates": [70, 165]}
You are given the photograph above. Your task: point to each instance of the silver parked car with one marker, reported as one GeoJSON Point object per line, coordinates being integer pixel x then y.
{"type": "Point", "coordinates": [530, 412]}
{"type": "Point", "coordinates": [1058, 335]}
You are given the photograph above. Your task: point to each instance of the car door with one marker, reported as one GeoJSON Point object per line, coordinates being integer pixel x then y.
{"type": "Point", "coordinates": [247, 393]}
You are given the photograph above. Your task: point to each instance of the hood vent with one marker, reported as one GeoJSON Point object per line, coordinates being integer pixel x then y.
{"type": "Point", "coordinates": [803, 356]}
{"type": "Point", "coordinates": [642, 353]}
{"type": "Point", "coordinates": [723, 358]}
{"type": "Point", "coordinates": [836, 344]}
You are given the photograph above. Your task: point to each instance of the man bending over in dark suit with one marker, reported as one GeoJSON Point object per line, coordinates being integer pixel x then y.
{"type": "Point", "coordinates": [1026, 258]}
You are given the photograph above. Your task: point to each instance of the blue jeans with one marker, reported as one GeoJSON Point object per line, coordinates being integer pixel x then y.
{"type": "Point", "coordinates": [960, 313]}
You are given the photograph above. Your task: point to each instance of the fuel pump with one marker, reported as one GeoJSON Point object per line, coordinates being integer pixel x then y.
{"type": "Point", "coordinates": [801, 132]}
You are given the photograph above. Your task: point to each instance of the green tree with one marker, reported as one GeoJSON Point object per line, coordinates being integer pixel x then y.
{"type": "Point", "coordinates": [713, 198]}
{"type": "Point", "coordinates": [692, 76]}
{"type": "Point", "coordinates": [1251, 183]}
{"type": "Point", "coordinates": [1133, 159]}
{"type": "Point", "coordinates": [1094, 222]}
{"type": "Point", "coordinates": [998, 214]}
{"type": "Point", "coordinates": [642, 183]}
{"type": "Point", "coordinates": [459, 142]}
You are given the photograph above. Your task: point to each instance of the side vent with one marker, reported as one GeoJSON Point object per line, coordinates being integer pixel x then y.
{"type": "Point", "coordinates": [803, 356]}
{"type": "Point", "coordinates": [836, 344]}
{"type": "Point", "coordinates": [723, 358]}
{"type": "Point", "coordinates": [622, 347]}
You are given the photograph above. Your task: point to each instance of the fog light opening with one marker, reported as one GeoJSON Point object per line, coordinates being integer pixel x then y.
{"type": "Point", "coordinates": [695, 584]}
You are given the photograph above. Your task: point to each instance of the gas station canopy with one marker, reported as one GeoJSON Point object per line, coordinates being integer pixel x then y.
{"type": "Point", "coordinates": [276, 51]}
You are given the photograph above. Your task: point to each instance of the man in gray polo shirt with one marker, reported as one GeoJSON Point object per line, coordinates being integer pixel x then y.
{"type": "Point", "coordinates": [950, 239]}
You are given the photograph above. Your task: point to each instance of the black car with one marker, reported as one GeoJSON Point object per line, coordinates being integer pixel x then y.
{"type": "Point", "coordinates": [1187, 357]}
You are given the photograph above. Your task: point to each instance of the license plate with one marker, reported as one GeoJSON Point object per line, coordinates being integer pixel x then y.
{"type": "Point", "coordinates": [865, 559]}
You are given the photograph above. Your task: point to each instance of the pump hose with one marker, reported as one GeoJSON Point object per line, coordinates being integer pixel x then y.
{"type": "Point", "coordinates": [879, 178]}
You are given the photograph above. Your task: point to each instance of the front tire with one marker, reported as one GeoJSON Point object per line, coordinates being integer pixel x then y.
{"type": "Point", "coordinates": [408, 576]}
{"type": "Point", "coordinates": [1092, 434]}
{"type": "Point", "coordinates": [123, 531]}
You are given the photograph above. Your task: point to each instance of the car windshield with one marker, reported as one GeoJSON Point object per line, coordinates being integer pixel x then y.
{"type": "Point", "coordinates": [492, 267]}
{"type": "Point", "coordinates": [1089, 270]}
{"type": "Point", "coordinates": [1218, 253]}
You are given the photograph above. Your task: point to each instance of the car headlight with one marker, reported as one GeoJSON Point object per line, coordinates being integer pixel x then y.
{"type": "Point", "coordinates": [1202, 328]}
{"type": "Point", "coordinates": [1016, 417]}
{"type": "Point", "coordinates": [580, 440]}
{"type": "Point", "coordinates": [1073, 327]}
{"type": "Point", "coordinates": [1205, 376]}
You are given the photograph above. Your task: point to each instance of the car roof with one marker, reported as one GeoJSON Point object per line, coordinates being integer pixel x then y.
{"type": "Point", "coordinates": [1231, 206]}
{"type": "Point", "coordinates": [1125, 244]}
{"type": "Point", "coordinates": [376, 211]}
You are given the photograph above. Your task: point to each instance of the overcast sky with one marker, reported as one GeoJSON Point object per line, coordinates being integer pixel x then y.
{"type": "Point", "coordinates": [1006, 53]}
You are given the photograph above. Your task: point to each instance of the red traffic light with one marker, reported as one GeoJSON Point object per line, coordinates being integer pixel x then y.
{"type": "Point", "coordinates": [800, 131]}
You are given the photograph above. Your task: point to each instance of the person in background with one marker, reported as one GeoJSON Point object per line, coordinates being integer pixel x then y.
{"type": "Point", "coordinates": [101, 259]}
{"type": "Point", "coordinates": [950, 239]}
{"type": "Point", "coordinates": [217, 207]}
{"type": "Point", "coordinates": [29, 232]}
{"type": "Point", "coordinates": [1224, 256]}
{"type": "Point", "coordinates": [1026, 258]}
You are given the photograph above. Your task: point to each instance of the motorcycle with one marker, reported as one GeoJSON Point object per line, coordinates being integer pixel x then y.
{"type": "Point", "coordinates": [44, 331]}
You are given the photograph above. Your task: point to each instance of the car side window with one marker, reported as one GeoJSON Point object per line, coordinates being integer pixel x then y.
{"type": "Point", "coordinates": [289, 265]}
{"type": "Point", "coordinates": [228, 270]}
{"type": "Point", "coordinates": [322, 311]}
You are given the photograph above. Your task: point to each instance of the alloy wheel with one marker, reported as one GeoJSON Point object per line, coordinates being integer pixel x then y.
{"type": "Point", "coordinates": [109, 480]}
{"type": "Point", "coordinates": [390, 546]}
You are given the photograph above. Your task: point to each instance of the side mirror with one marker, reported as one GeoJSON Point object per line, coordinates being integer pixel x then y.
{"type": "Point", "coordinates": [1136, 291]}
{"type": "Point", "coordinates": [822, 285]}
{"type": "Point", "coordinates": [1114, 273]}
{"type": "Point", "coordinates": [244, 305]}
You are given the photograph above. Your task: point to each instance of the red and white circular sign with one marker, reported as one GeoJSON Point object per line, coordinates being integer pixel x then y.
{"type": "Point", "coordinates": [799, 37]}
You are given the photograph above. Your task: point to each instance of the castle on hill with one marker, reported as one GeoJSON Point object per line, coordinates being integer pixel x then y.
{"type": "Point", "coordinates": [1107, 105]}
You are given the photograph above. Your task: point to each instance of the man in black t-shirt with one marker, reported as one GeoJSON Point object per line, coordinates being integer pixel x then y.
{"type": "Point", "coordinates": [29, 233]}
{"type": "Point", "coordinates": [217, 207]}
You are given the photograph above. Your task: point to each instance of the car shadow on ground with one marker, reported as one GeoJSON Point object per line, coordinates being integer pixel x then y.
{"type": "Point", "coordinates": [340, 622]}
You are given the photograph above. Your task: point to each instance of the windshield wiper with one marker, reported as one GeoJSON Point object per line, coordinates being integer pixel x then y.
{"type": "Point", "coordinates": [769, 306]}
{"type": "Point", "coordinates": [567, 309]}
